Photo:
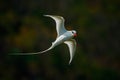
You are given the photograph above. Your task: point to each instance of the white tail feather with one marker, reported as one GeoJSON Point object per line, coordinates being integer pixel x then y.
{"type": "Point", "coordinates": [33, 53]}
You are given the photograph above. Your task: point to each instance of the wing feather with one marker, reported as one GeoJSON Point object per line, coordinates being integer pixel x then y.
{"type": "Point", "coordinates": [72, 47]}
{"type": "Point", "coordinates": [59, 24]}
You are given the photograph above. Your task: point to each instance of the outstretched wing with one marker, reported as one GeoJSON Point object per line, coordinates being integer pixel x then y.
{"type": "Point", "coordinates": [59, 24]}
{"type": "Point", "coordinates": [72, 47]}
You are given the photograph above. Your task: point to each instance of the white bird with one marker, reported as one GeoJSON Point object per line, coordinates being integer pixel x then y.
{"type": "Point", "coordinates": [63, 36]}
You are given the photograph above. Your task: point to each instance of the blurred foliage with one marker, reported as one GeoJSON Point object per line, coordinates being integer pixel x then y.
{"type": "Point", "coordinates": [23, 28]}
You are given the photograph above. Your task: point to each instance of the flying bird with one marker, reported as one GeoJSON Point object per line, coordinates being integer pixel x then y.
{"type": "Point", "coordinates": [63, 36]}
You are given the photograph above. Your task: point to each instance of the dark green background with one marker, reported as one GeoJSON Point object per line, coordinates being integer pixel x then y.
{"type": "Point", "coordinates": [23, 28]}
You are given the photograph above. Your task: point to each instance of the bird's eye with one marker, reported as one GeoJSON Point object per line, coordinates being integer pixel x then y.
{"type": "Point", "coordinates": [72, 32]}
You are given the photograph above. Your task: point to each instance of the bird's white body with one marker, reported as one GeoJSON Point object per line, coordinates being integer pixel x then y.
{"type": "Point", "coordinates": [63, 36]}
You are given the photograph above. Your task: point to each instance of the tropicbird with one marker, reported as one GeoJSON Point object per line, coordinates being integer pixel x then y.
{"type": "Point", "coordinates": [63, 36]}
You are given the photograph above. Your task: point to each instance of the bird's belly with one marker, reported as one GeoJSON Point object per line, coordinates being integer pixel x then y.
{"type": "Point", "coordinates": [61, 39]}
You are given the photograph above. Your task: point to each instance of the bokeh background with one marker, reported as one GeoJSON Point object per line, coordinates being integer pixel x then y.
{"type": "Point", "coordinates": [23, 28]}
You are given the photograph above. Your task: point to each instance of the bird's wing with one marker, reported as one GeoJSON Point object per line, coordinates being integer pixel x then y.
{"type": "Point", "coordinates": [59, 24]}
{"type": "Point", "coordinates": [72, 47]}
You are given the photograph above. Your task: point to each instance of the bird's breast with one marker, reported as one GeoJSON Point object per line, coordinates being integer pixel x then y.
{"type": "Point", "coordinates": [61, 39]}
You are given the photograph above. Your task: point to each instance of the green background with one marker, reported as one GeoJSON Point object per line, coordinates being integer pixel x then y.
{"type": "Point", "coordinates": [23, 28]}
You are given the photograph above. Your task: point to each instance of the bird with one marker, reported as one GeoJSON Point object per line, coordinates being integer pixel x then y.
{"type": "Point", "coordinates": [63, 36]}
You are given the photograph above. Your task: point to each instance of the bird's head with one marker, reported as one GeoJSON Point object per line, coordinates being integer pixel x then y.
{"type": "Point", "coordinates": [74, 33]}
